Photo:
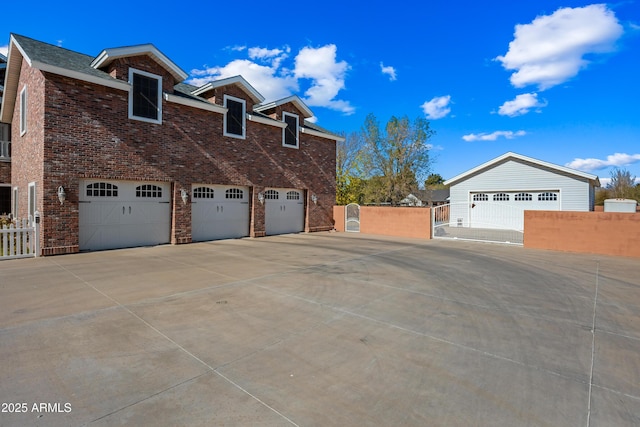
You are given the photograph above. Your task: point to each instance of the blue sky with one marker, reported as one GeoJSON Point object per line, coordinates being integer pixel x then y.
{"type": "Point", "coordinates": [557, 81]}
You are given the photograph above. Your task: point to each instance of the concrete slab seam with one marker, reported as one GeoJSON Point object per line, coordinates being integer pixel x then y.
{"type": "Point", "coordinates": [422, 334]}
{"type": "Point", "coordinates": [153, 328]}
{"type": "Point", "coordinates": [151, 396]}
{"type": "Point", "coordinates": [593, 343]}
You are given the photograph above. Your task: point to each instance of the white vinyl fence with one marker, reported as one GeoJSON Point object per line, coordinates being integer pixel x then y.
{"type": "Point", "coordinates": [19, 239]}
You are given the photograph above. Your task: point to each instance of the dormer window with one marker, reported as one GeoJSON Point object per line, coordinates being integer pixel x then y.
{"type": "Point", "coordinates": [235, 118]}
{"type": "Point", "coordinates": [290, 133]}
{"type": "Point", "coordinates": [145, 102]}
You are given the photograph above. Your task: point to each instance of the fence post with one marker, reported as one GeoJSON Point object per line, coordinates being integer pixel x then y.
{"type": "Point", "coordinates": [36, 221]}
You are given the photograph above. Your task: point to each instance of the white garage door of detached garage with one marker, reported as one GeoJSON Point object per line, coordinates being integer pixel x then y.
{"type": "Point", "coordinates": [505, 210]}
{"type": "Point", "coordinates": [284, 211]}
{"type": "Point", "coordinates": [123, 214]}
{"type": "Point", "coordinates": [219, 212]}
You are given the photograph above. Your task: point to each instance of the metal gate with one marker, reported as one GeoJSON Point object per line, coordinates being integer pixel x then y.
{"type": "Point", "coordinates": [486, 221]}
{"type": "Point", "coordinates": [352, 218]}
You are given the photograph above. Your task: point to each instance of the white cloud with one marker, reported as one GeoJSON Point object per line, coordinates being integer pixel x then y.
{"type": "Point", "coordinates": [493, 136]}
{"type": "Point", "coordinates": [617, 159]}
{"type": "Point", "coordinates": [262, 77]}
{"type": "Point", "coordinates": [551, 49]}
{"type": "Point", "coordinates": [326, 74]}
{"type": "Point", "coordinates": [522, 104]}
{"type": "Point", "coordinates": [4, 50]}
{"type": "Point", "coordinates": [390, 71]}
{"type": "Point", "coordinates": [272, 56]}
{"type": "Point", "coordinates": [315, 68]}
{"type": "Point", "coordinates": [437, 108]}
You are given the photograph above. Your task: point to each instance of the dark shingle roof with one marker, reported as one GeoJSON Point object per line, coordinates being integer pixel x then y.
{"type": "Point", "coordinates": [59, 57]}
{"type": "Point", "coordinates": [432, 195]}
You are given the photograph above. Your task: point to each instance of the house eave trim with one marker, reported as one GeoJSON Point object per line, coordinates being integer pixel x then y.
{"type": "Point", "coordinates": [195, 104]}
{"type": "Point", "coordinates": [322, 134]}
{"type": "Point", "coordinates": [108, 55]}
{"type": "Point", "coordinates": [266, 121]}
{"type": "Point", "coordinates": [115, 84]}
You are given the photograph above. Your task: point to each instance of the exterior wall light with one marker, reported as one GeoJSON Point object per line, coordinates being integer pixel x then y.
{"type": "Point", "coordinates": [261, 198]}
{"type": "Point", "coordinates": [184, 195]}
{"type": "Point", "coordinates": [62, 196]}
{"type": "Point", "coordinates": [314, 199]}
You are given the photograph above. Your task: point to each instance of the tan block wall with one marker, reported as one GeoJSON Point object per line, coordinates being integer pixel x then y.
{"type": "Point", "coordinates": [338, 217]}
{"type": "Point", "coordinates": [606, 233]}
{"type": "Point", "coordinates": [389, 221]}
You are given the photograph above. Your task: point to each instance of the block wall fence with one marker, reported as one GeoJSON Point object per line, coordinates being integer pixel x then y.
{"type": "Point", "coordinates": [604, 233]}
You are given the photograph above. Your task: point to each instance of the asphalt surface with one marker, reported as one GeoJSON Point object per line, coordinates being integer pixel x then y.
{"type": "Point", "coordinates": [323, 329]}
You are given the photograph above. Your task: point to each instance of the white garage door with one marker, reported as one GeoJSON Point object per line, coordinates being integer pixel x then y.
{"type": "Point", "coordinates": [284, 211]}
{"type": "Point", "coordinates": [505, 210]}
{"type": "Point", "coordinates": [219, 212]}
{"type": "Point", "coordinates": [123, 214]}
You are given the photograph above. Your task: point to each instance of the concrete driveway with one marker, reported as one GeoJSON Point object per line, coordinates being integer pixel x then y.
{"type": "Point", "coordinates": [325, 329]}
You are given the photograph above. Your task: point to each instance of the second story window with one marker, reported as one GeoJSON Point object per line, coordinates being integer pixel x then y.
{"type": "Point", "coordinates": [145, 102]}
{"type": "Point", "coordinates": [290, 133]}
{"type": "Point", "coordinates": [234, 121]}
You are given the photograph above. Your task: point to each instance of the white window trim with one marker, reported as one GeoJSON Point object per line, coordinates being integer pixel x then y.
{"type": "Point", "coordinates": [244, 117]}
{"type": "Point", "coordinates": [31, 202]}
{"type": "Point", "coordinates": [23, 111]}
{"type": "Point", "coordinates": [284, 130]}
{"type": "Point", "coordinates": [14, 203]}
{"type": "Point", "coordinates": [158, 78]}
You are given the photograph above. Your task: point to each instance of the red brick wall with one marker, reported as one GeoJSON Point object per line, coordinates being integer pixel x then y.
{"type": "Point", "coordinates": [606, 233]}
{"type": "Point", "coordinates": [84, 132]}
{"type": "Point", "coordinates": [28, 148]}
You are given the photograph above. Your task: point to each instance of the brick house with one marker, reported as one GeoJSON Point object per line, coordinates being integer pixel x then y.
{"type": "Point", "coordinates": [118, 151]}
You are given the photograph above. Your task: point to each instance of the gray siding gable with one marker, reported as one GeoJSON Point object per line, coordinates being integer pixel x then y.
{"type": "Point", "coordinates": [514, 175]}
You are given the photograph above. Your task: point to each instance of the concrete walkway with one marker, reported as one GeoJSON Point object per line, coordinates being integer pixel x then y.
{"type": "Point", "coordinates": [324, 329]}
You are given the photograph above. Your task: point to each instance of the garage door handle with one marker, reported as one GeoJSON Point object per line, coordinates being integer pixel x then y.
{"type": "Point", "coordinates": [129, 210]}
{"type": "Point", "coordinates": [123, 210]}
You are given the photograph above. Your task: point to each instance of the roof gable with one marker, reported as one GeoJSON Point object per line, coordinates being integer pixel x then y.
{"type": "Point", "coordinates": [236, 80]}
{"type": "Point", "coordinates": [293, 99]}
{"type": "Point", "coordinates": [108, 55]}
{"type": "Point", "coordinates": [593, 179]}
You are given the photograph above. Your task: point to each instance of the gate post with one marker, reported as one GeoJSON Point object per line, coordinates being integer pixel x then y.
{"type": "Point", "coordinates": [36, 233]}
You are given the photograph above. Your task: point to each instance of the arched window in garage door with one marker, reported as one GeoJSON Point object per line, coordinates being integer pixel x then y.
{"type": "Point", "coordinates": [102, 189]}
{"type": "Point", "coordinates": [293, 195]}
{"type": "Point", "coordinates": [148, 190]}
{"type": "Point", "coordinates": [203, 193]}
{"type": "Point", "coordinates": [234, 193]}
{"type": "Point", "coordinates": [271, 195]}
{"type": "Point", "coordinates": [547, 197]}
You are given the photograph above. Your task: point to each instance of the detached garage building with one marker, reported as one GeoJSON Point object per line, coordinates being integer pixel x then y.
{"type": "Point", "coordinates": [117, 150]}
{"type": "Point", "coordinates": [496, 193]}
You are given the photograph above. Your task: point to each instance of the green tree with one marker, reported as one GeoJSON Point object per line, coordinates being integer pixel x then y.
{"type": "Point", "coordinates": [435, 181]}
{"type": "Point", "coordinates": [393, 157]}
{"type": "Point", "coordinates": [349, 182]}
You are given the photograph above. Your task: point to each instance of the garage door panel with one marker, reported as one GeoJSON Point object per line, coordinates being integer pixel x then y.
{"type": "Point", "coordinates": [219, 212]}
{"type": "Point", "coordinates": [120, 214]}
{"type": "Point", "coordinates": [284, 211]}
{"type": "Point", "coordinates": [505, 209]}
